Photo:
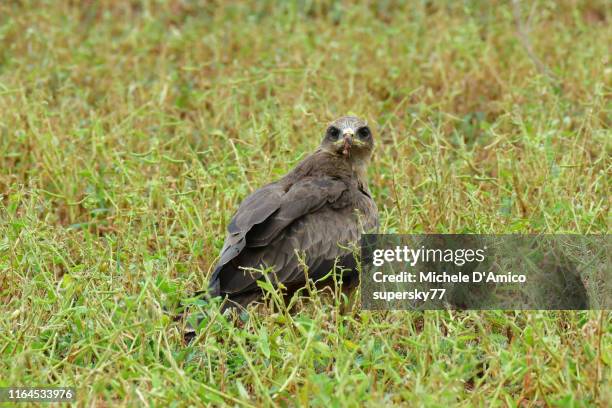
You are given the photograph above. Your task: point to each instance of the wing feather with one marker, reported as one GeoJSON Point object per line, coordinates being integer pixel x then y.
{"type": "Point", "coordinates": [261, 219]}
{"type": "Point", "coordinates": [320, 237]}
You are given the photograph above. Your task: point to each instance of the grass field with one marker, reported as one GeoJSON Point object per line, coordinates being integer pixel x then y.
{"type": "Point", "coordinates": [130, 132]}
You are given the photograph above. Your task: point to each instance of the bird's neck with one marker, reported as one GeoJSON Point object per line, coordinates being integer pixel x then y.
{"type": "Point", "coordinates": [324, 162]}
{"type": "Point", "coordinates": [359, 166]}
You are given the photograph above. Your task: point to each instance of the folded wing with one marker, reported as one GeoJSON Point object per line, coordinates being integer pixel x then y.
{"type": "Point", "coordinates": [311, 215]}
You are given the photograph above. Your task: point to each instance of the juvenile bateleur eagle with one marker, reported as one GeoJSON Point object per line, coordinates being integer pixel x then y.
{"type": "Point", "coordinates": [314, 211]}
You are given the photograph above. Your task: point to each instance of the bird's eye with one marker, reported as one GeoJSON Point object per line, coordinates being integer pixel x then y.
{"type": "Point", "coordinates": [333, 133]}
{"type": "Point", "coordinates": [363, 133]}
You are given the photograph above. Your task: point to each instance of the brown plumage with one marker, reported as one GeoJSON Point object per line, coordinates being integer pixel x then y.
{"type": "Point", "coordinates": [316, 209]}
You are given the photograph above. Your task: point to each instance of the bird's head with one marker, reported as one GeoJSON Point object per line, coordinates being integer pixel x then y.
{"type": "Point", "coordinates": [350, 137]}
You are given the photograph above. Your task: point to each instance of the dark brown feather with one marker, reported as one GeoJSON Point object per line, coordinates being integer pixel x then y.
{"type": "Point", "coordinates": [316, 210]}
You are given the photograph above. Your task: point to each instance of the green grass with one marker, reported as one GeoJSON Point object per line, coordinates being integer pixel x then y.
{"type": "Point", "coordinates": [130, 132]}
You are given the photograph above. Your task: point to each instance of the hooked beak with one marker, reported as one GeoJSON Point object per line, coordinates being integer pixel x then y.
{"type": "Point", "coordinates": [347, 135]}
